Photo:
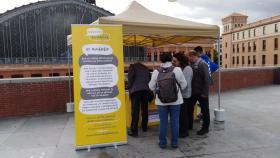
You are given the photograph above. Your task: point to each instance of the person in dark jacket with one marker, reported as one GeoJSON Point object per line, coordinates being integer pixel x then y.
{"type": "Point", "coordinates": [212, 67]}
{"type": "Point", "coordinates": [138, 80]}
{"type": "Point", "coordinates": [200, 90]}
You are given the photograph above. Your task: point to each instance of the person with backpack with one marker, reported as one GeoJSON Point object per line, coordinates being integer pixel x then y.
{"type": "Point", "coordinates": [182, 61]}
{"type": "Point", "coordinates": [138, 80]}
{"type": "Point", "coordinates": [200, 90]}
{"type": "Point", "coordinates": [167, 82]}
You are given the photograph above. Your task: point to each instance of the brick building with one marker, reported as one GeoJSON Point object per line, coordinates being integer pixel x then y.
{"type": "Point", "coordinates": [250, 45]}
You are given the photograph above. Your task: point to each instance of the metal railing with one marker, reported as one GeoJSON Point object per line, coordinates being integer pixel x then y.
{"type": "Point", "coordinates": [36, 60]}
{"type": "Point", "coordinates": [131, 59]}
{"type": "Point", "coordinates": [58, 60]}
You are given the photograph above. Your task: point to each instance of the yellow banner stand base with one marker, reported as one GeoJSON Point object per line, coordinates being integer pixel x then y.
{"type": "Point", "coordinates": [89, 147]}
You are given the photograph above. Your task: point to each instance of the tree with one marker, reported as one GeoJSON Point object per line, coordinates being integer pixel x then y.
{"type": "Point", "coordinates": [215, 56]}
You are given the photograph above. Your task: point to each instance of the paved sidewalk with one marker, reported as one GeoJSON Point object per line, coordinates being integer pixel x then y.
{"type": "Point", "coordinates": [252, 130]}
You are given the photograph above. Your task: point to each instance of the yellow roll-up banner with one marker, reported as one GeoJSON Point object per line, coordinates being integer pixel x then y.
{"type": "Point", "coordinates": [99, 94]}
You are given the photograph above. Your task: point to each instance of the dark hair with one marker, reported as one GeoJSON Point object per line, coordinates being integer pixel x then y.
{"type": "Point", "coordinates": [184, 61]}
{"type": "Point", "coordinates": [198, 49]}
{"type": "Point", "coordinates": [193, 53]}
{"type": "Point", "coordinates": [165, 57]}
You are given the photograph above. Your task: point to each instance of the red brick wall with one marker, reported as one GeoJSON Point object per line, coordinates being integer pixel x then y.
{"type": "Point", "coordinates": [21, 99]}
{"type": "Point", "coordinates": [238, 78]}
{"type": "Point", "coordinates": [29, 98]}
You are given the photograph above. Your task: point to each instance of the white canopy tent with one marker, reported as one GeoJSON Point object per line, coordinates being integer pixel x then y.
{"type": "Point", "coordinates": [143, 27]}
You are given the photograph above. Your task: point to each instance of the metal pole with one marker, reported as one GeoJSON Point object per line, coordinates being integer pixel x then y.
{"type": "Point", "coordinates": [219, 74]}
{"type": "Point", "coordinates": [69, 76]}
{"type": "Point", "coordinates": [36, 40]}
{"type": "Point", "coordinates": [51, 51]}
{"type": "Point", "coordinates": [64, 34]}
{"type": "Point", "coordinates": [134, 49]}
{"type": "Point", "coordinates": [19, 27]}
{"type": "Point", "coordinates": [153, 55]}
{"type": "Point", "coordinates": [4, 42]}
{"type": "Point", "coordinates": [42, 34]}
{"type": "Point", "coordinates": [68, 49]}
{"type": "Point", "coordinates": [11, 53]}
{"type": "Point", "coordinates": [26, 39]}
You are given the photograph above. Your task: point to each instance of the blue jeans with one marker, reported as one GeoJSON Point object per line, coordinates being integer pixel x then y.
{"type": "Point", "coordinates": [174, 111]}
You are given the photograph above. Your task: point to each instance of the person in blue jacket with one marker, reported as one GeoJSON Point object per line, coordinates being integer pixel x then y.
{"type": "Point", "coordinates": [211, 65]}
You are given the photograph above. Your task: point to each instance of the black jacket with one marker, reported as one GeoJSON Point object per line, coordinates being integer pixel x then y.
{"type": "Point", "coordinates": [201, 78]}
{"type": "Point", "coordinates": [138, 78]}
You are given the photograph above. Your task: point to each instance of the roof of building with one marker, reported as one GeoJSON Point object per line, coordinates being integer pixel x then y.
{"type": "Point", "coordinates": [258, 23]}
{"type": "Point", "coordinates": [234, 14]}
{"type": "Point", "coordinates": [237, 14]}
{"type": "Point", "coordinates": [36, 5]}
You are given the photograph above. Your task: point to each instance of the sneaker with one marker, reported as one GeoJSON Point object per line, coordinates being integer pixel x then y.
{"type": "Point", "coordinates": [202, 132]}
{"type": "Point", "coordinates": [144, 129]}
{"type": "Point", "coordinates": [183, 135]}
{"type": "Point", "coordinates": [174, 146]}
{"type": "Point", "coordinates": [162, 146]}
{"type": "Point", "coordinates": [132, 134]}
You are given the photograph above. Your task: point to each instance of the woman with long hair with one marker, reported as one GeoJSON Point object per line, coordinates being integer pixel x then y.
{"type": "Point", "coordinates": [181, 60]}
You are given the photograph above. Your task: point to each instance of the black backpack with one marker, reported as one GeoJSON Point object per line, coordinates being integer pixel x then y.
{"type": "Point", "coordinates": [166, 87]}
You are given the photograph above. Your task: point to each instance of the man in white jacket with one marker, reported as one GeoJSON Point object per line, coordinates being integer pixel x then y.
{"type": "Point", "coordinates": [172, 108]}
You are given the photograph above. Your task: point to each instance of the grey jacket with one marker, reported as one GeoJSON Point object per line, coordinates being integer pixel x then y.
{"type": "Point", "coordinates": [138, 78]}
{"type": "Point", "coordinates": [201, 78]}
{"type": "Point", "coordinates": [188, 73]}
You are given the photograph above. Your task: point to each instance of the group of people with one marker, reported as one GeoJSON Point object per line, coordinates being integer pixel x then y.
{"type": "Point", "coordinates": [180, 82]}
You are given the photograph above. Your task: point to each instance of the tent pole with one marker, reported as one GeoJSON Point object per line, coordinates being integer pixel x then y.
{"type": "Point", "coordinates": [219, 113]}
{"type": "Point", "coordinates": [219, 71]}
{"type": "Point", "coordinates": [135, 48]}
{"type": "Point", "coordinates": [153, 55]}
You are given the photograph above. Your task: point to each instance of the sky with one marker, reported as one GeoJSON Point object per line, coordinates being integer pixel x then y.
{"type": "Point", "coordinates": [204, 11]}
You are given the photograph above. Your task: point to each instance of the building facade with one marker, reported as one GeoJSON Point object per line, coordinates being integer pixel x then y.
{"type": "Point", "coordinates": [216, 45]}
{"type": "Point", "coordinates": [37, 32]}
{"type": "Point", "coordinates": [250, 45]}
{"type": "Point", "coordinates": [33, 37]}
{"type": "Point", "coordinates": [184, 48]}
